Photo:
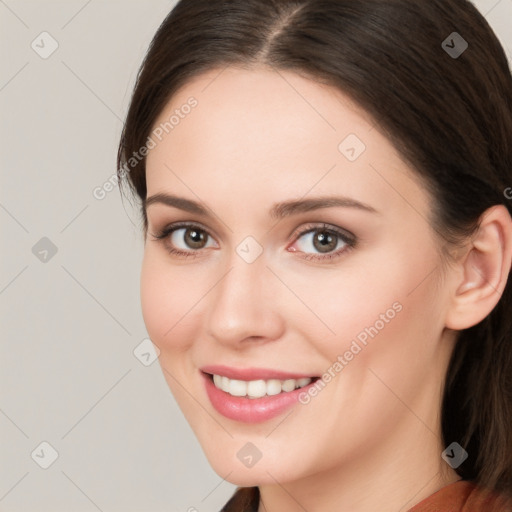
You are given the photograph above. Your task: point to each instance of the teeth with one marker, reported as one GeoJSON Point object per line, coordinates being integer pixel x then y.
{"type": "Point", "coordinates": [303, 382]}
{"type": "Point", "coordinates": [288, 385]}
{"type": "Point", "coordinates": [237, 388]}
{"type": "Point", "coordinates": [225, 384]}
{"type": "Point", "coordinates": [258, 388]}
{"type": "Point", "coordinates": [273, 387]}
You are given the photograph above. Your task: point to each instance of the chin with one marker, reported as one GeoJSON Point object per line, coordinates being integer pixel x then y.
{"type": "Point", "coordinates": [262, 472]}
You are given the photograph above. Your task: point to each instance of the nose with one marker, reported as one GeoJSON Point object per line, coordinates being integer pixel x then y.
{"type": "Point", "coordinates": [244, 305]}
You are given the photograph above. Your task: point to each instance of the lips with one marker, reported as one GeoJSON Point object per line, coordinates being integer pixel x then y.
{"type": "Point", "coordinates": [253, 409]}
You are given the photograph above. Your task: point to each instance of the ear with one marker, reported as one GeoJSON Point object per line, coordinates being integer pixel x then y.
{"type": "Point", "coordinates": [483, 270]}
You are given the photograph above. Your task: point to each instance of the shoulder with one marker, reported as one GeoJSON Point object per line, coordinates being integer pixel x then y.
{"type": "Point", "coordinates": [463, 496]}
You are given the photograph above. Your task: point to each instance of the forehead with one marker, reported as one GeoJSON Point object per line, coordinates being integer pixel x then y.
{"type": "Point", "coordinates": [260, 108]}
{"type": "Point", "coordinates": [263, 133]}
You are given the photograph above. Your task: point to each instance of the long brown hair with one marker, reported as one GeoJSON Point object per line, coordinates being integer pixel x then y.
{"type": "Point", "coordinates": [449, 116]}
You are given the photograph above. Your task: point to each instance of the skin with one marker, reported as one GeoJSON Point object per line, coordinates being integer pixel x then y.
{"type": "Point", "coordinates": [370, 440]}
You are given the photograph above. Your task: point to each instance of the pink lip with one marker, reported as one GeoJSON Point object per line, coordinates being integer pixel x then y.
{"type": "Point", "coordinates": [251, 410]}
{"type": "Point", "coordinates": [251, 373]}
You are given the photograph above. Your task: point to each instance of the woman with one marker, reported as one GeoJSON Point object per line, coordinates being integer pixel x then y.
{"type": "Point", "coordinates": [323, 189]}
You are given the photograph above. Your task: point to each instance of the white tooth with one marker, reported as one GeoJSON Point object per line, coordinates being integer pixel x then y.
{"type": "Point", "coordinates": [273, 387]}
{"type": "Point", "coordinates": [238, 387]}
{"type": "Point", "coordinates": [288, 385]}
{"type": "Point", "coordinates": [303, 382]}
{"type": "Point", "coordinates": [256, 388]}
{"type": "Point", "coordinates": [225, 384]}
{"type": "Point", "coordinates": [217, 380]}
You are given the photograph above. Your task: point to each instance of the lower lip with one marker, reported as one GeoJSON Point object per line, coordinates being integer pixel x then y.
{"type": "Point", "coordinates": [251, 410]}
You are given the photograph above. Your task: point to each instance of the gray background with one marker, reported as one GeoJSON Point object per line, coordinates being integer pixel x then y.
{"type": "Point", "coordinates": [70, 321]}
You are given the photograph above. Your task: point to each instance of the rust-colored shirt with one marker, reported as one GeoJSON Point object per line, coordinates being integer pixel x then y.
{"type": "Point", "coordinates": [461, 496]}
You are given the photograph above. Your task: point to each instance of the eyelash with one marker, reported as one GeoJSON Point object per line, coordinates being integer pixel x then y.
{"type": "Point", "coordinates": [346, 237]}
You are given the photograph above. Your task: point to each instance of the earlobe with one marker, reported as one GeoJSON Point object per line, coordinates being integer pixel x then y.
{"type": "Point", "coordinates": [484, 270]}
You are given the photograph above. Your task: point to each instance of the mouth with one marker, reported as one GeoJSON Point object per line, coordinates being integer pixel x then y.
{"type": "Point", "coordinates": [253, 395]}
{"type": "Point", "coordinates": [258, 388]}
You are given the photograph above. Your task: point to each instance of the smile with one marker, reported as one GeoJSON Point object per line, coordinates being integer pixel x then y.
{"type": "Point", "coordinates": [253, 395]}
{"type": "Point", "coordinates": [258, 388]}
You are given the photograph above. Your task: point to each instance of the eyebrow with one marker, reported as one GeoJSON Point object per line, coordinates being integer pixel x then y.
{"type": "Point", "coordinates": [278, 210]}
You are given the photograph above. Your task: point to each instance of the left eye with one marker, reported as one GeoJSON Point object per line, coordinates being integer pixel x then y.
{"type": "Point", "coordinates": [323, 241]}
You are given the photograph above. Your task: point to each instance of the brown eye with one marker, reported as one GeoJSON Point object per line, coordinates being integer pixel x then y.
{"type": "Point", "coordinates": [325, 241]}
{"type": "Point", "coordinates": [322, 241]}
{"type": "Point", "coordinates": [194, 238]}
{"type": "Point", "coordinates": [185, 239]}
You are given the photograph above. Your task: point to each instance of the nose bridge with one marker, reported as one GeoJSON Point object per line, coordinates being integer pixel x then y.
{"type": "Point", "coordinates": [242, 304]}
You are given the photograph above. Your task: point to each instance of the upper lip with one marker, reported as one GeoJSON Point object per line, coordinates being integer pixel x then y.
{"type": "Point", "coordinates": [252, 373]}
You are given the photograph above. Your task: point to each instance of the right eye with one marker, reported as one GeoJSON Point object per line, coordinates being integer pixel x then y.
{"type": "Point", "coordinates": [184, 239]}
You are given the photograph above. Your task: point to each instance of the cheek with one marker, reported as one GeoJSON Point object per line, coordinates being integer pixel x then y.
{"type": "Point", "coordinates": [167, 295]}
{"type": "Point", "coordinates": [391, 302]}
{"type": "Point", "coordinates": [167, 298]}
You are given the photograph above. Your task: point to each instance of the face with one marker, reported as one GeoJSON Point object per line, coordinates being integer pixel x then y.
{"type": "Point", "coordinates": [298, 249]}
